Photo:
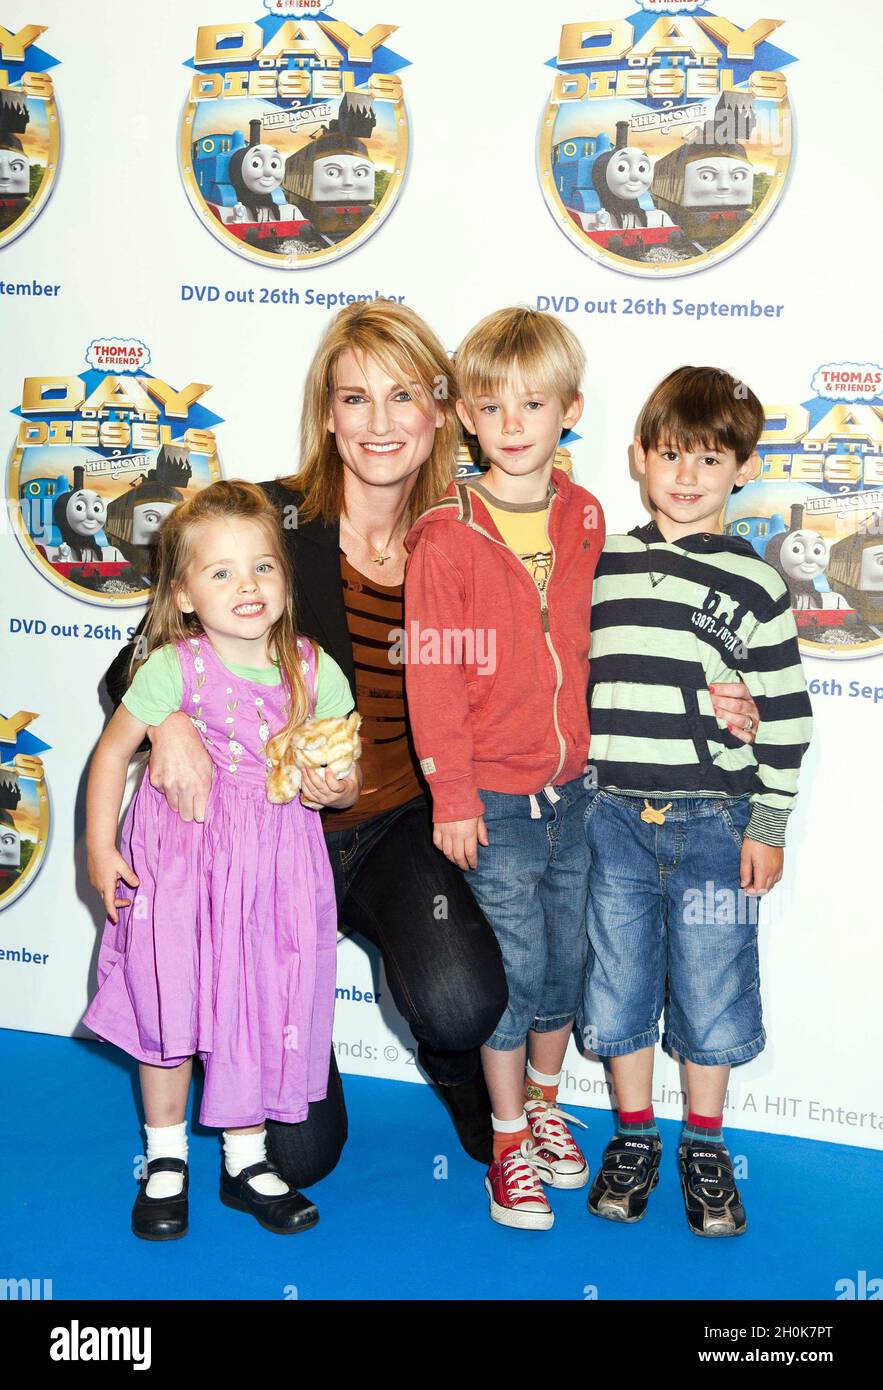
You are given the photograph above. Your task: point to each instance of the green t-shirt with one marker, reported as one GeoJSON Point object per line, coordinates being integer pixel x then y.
{"type": "Point", "coordinates": [158, 686]}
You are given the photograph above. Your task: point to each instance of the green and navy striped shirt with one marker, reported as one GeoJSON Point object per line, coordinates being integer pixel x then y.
{"type": "Point", "coordinates": [668, 620]}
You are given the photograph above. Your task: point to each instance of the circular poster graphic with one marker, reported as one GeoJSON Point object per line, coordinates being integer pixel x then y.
{"type": "Point", "coordinates": [99, 461]}
{"type": "Point", "coordinates": [30, 129]}
{"type": "Point", "coordinates": [24, 805]}
{"type": "Point", "coordinates": [293, 142]}
{"type": "Point", "coordinates": [815, 512]}
{"type": "Point", "coordinates": [666, 142]}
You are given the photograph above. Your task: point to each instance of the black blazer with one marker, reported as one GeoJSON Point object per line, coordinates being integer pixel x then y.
{"type": "Point", "coordinates": [314, 548]}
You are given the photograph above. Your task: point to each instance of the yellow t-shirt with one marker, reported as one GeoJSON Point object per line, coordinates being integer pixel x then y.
{"type": "Point", "coordinates": [523, 527]}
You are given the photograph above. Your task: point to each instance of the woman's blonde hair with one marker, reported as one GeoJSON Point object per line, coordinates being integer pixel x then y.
{"type": "Point", "coordinates": [525, 343]}
{"type": "Point", "coordinates": [409, 351]}
{"type": "Point", "coordinates": [165, 622]}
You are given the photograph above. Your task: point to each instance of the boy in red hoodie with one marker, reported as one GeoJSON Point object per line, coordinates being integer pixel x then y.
{"type": "Point", "coordinates": [497, 601]}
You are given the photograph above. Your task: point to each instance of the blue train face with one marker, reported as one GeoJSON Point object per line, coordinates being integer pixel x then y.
{"type": "Point", "coordinates": [85, 512]}
{"type": "Point", "coordinates": [804, 556]}
{"type": "Point", "coordinates": [629, 174]}
{"type": "Point", "coordinates": [262, 169]}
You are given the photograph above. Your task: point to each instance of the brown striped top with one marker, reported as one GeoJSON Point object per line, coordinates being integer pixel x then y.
{"type": "Point", "coordinates": [389, 764]}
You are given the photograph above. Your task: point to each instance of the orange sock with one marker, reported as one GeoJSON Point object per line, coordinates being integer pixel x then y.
{"type": "Point", "coordinates": [503, 1142]}
{"type": "Point", "coordinates": [506, 1139]}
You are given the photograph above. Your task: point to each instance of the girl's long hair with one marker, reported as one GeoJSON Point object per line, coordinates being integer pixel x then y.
{"type": "Point", "coordinates": [409, 350]}
{"type": "Point", "coordinates": [222, 501]}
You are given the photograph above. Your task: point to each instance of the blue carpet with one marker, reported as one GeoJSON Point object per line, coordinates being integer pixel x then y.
{"type": "Point", "coordinates": [391, 1228]}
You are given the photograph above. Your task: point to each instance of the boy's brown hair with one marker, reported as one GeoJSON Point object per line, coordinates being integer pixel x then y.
{"type": "Point", "coordinates": [702, 408]}
{"type": "Point", "coordinates": [525, 342]}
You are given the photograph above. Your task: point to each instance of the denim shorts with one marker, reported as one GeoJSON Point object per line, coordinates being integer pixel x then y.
{"type": "Point", "coordinates": [671, 931]}
{"type": "Point", "coordinates": [531, 883]}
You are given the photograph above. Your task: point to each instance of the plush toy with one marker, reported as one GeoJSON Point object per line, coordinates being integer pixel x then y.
{"type": "Point", "coordinates": [318, 743]}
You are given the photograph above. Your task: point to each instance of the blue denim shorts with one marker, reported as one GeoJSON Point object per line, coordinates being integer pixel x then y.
{"type": "Point", "coordinates": [671, 931]}
{"type": "Point", "coordinates": [531, 883]}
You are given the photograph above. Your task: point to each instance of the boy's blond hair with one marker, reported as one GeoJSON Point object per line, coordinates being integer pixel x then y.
{"type": "Point", "coordinates": [520, 343]}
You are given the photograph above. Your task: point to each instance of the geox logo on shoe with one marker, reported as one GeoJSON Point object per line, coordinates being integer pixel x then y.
{"type": "Point", "coordinates": [76, 1343]}
{"type": "Point", "coordinates": [630, 1144]}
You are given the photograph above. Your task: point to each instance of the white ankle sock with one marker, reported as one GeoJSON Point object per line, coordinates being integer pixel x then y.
{"type": "Point", "coordinates": [541, 1078]}
{"type": "Point", "coordinates": [509, 1126]}
{"type": "Point", "coordinates": [166, 1141]}
{"type": "Point", "coordinates": [241, 1151]}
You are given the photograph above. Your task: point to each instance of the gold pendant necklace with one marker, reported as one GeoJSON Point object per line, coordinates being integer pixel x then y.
{"type": "Point", "coordinates": [379, 558]}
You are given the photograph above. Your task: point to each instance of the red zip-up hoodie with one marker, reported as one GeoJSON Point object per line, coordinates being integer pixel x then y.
{"type": "Point", "coordinates": [496, 671]}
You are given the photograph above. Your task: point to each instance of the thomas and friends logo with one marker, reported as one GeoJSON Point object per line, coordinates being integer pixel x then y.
{"type": "Point", "coordinates": [815, 511]}
{"type": "Point", "coordinates": [24, 805]}
{"type": "Point", "coordinates": [666, 142]}
{"type": "Point", "coordinates": [293, 142]}
{"type": "Point", "coordinates": [99, 460]}
{"type": "Point", "coordinates": [30, 129]}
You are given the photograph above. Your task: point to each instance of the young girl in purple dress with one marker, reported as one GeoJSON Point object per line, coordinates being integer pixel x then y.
{"type": "Point", "coordinates": [226, 947]}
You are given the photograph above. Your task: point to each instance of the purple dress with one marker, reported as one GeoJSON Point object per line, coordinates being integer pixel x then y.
{"type": "Point", "coordinates": [229, 947]}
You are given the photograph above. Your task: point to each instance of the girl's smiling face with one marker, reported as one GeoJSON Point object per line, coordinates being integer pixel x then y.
{"type": "Point", "coordinates": [235, 586]}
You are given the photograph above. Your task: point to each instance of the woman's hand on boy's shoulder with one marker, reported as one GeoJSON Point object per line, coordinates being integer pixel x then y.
{"type": "Point", "coordinates": [458, 840]}
{"type": "Point", "coordinates": [733, 705]}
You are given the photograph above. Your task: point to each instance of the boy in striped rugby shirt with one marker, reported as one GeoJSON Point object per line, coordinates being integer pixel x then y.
{"type": "Point", "coordinates": [686, 826]}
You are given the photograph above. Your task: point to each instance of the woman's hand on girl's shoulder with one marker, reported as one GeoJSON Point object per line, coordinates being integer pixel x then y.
{"type": "Point", "coordinates": [106, 867]}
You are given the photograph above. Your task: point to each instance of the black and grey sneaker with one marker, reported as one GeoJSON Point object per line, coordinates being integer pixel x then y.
{"type": "Point", "coordinates": [628, 1174]}
{"type": "Point", "coordinates": [711, 1197]}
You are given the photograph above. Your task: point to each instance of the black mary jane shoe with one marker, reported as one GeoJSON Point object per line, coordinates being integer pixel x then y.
{"type": "Point", "coordinates": [162, 1218]}
{"type": "Point", "coordinates": [284, 1216]}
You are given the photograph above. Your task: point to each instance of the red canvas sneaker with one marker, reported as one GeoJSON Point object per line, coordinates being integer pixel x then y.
{"type": "Point", "coordinates": [557, 1157]}
{"type": "Point", "coordinates": [517, 1197]}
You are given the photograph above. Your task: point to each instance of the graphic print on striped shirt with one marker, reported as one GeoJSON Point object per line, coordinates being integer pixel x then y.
{"type": "Point", "coordinates": [668, 621]}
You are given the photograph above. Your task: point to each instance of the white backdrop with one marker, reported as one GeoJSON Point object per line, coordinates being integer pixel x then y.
{"type": "Point", "coordinates": [470, 232]}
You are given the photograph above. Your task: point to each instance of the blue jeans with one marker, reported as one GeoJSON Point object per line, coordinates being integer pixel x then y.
{"type": "Point", "coordinates": [671, 931]}
{"type": "Point", "coordinates": [531, 883]}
